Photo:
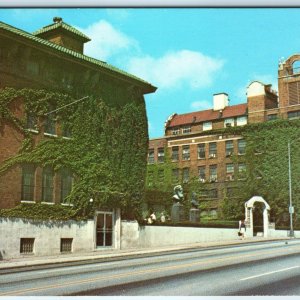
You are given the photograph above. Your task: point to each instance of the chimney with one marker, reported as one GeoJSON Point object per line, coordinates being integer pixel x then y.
{"type": "Point", "coordinates": [220, 101]}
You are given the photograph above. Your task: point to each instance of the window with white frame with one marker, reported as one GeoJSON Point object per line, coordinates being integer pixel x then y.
{"type": "Point", "coordinates": [175, 175]}
{"type": "Point", "coordinates": [185, 175]}
{"type": "Point", "coordinates": [151, 156]}
{"type": "Point", "coordinates": [201, 173]}
{"type": "Point", "coordinates": [47, 190]}
{"type": "Point", "coordinates": [240, 121]}
{"type": "Point", "coordinates": [201, 151]}
{"type": "Point", "coordinates": [229, 171]}
{"type": "Point", "coordinates": [241, 146]}
{"type": "Point", "coordinates": [242, 170]}
{"type": "Point", "coordinates": [31, 121]}
{"type": "Point", "coordinates": [229, 122]}
{"type": "Point", "coordinates": [186, 152]}
{"type": "Point", "coordinates": [175, 153]}
{"type": "Point", "coordinates": [161, 155]}
{"type": "Point", "coordinates": [175, 131]}
{"type": "Point", "coordinates": [229, 148]}
{"type": "Point", "coordinates": [213, 150]}
{"type": "Point", "coordinates": [213, 173]}
{"type": "Point", "coordinates": [28, 182]}
{"type": "Point", "coordinates": [207, 126]}
{"type": "Point", "coordinates": [186, 129]}
{"type": "Point", "coordinates": [66, 184]}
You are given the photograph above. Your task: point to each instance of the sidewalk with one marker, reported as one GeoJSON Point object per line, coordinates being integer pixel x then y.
{"type": "Point", "coordinates": [113, 254]}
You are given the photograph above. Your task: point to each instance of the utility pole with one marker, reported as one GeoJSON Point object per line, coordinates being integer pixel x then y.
{"type": "Point", "coordinates": [291, 208]}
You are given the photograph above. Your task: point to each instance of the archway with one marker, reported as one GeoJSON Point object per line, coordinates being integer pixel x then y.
{"type": "Point", "coordinates": [249, 206]}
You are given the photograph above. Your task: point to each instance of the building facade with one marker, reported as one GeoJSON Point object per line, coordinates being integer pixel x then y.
{"type": "Point", "coordinates": [52, 59]}
{"type": "Point", "coordinates": [199, 149]}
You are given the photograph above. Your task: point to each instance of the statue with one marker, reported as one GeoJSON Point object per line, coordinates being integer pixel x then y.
{"type": "Point", "coordinates": [194, 211]}
{"type": "Point", "coordinates": [178, 194]}
{"type": "Point", "coordinates": [177, 213]}
{"type": "Point", "coordinates": [194, 201]}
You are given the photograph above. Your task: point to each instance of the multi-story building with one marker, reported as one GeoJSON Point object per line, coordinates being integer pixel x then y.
{"type": "Point", "coordinates": [196, 149]}
{"type": "Point", "coordinates": [52, 59]}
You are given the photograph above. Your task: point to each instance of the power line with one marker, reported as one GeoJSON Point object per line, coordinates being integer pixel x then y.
{"type": "Point", "coordinates": [65, 106]}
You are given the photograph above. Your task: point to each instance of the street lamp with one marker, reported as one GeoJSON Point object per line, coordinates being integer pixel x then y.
{"type": "Point", "coordinates": [291, 208]}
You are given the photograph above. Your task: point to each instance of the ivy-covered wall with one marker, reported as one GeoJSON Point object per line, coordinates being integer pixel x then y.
{"type": "Point", "coordinates": [266, 174]}
{"type": "Point", "coordinates": [106, 153]}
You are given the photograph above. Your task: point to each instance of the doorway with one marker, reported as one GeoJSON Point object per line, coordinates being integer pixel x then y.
{"type": "Point", "coordinates": [258, 225]}
{"type": "Point", "coordinates": [104, 229]}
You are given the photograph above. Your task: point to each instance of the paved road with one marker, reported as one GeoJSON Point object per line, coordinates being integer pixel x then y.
{"type": "Point", "coordinates": [271, 268]}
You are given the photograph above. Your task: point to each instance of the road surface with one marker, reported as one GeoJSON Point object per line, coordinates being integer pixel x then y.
{"type": "Point", "coordinates": [269, 268]}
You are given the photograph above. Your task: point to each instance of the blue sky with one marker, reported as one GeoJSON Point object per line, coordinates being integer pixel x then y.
{"type": "Point", "coordinates": [188, 53]}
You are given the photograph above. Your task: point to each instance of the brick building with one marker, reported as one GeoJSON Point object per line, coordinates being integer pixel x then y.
{"type": "Point", "coordinates": [52, 58]}
{"type": "Point", "coordinates": [196, 150]}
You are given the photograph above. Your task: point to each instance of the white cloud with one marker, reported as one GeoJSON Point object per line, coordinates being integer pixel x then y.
{"type": "Point", "coordinates": [107, 41]}
{"type": "Point", "coordinates": [176, 68]}
{"type": "Point", "coordinates": [201, 105]}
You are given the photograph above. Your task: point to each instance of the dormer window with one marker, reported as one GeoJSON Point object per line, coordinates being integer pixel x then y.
{"type": "Point", "coordinates": [207, 126]}
{"type": "Point", "coordinates": [240, 121]}
{"type": "Point", "coordinates": [229, 122]}
{"type": "Point", "coordinates": [175, 131]}
{"type": "Point", "coordinates": [186, 129]}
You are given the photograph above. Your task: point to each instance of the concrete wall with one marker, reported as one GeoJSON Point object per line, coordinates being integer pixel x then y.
{"type": "Point", "coordinates": [47, 236]}
{"type": "Point", "coordinates": [156, 236]}
{"type": "Point", "coordinates": [130, 235]}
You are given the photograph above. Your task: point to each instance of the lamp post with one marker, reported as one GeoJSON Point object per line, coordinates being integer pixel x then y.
{"type": "Point", "coordinates": [291, 208]}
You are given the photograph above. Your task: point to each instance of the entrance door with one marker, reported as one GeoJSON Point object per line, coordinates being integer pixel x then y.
{"type": "Point", "coordinates": [104, 229]}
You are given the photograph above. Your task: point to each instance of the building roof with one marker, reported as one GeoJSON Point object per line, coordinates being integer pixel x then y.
{"type": "Point", "coordinates": [62, 25]}
{"type": "Point", "coordinates": [73, 54]}
{"type": "Point", "coordinates": [208, 115]}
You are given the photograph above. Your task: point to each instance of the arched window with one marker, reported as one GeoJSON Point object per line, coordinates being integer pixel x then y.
{"type": "Point", "coordinates": [296, 67]}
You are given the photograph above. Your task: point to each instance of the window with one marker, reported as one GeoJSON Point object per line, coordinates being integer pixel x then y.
{"type": "Point", "coordinates": [213, 194]}
{"type": "Point", "coordinates": [242, 170]}
{"type": "Point", "coordinates": [50, 125]}
{"type": "Point", "coordinates": [241, 146]}
{"type": "Point", "coordinates": [186, 152]}
{"type": "Point", "coordinates": [26, 245]}
{"type": "Point", "coordinates": [161, 155]}
{"type": "Point", "coordinates": [66, 130]}
{"type": "Point", "coordinates": [175, 131]}
{"type": "Point", "coordinates": [151, 156]}
{"type": "Point", "coordinates": [186, 129]}
{"type": "Point", "coordinates": [272, 117]}
{"type": "Point", "coordinates": [28, 180]}
{"type": "Point", "coordinates": [212, 150]}
{"type": "Point", "coordinates": [31, 122]}
{"type": "Point", "coordinates": [240, 121]}
{"type": "Point", "coordinates": [66, 244]}
{"type": "Point", "coordinates": [66, 184]}
{"type": "Point", "coordinates": [229, 172]}
{"type": "Point", "coordinates": [175, 175]}
{"type": "Point", "coordinates": [161, 176]}
{"type": "Point", "coordinates": [213, 173]}
{"type": "Point", "coordinates": [47, 192]}
{"type": "Point", "coordinates": [231, 191]}
{"type": "Point", "coordinates": [229, 168]}
{"type": "Point", "coordinates": [294, 114]}
{"type": "Point", "coordinates": [229, 122]}
{"type": "Point", "coordinates": [207, 126]}
{"type": "Point", "coordinates": [185, 175]}
{"type": "Point", "coordinates": [201, 151]}
{"type": "Point", "coordinates": [150, 178]}
{"type": "Point", "coordinates": [229, 148]}
{"type": "Point", "coordinates": [175, 153]}
{"type": "Point", "coordinates": [201, 173]}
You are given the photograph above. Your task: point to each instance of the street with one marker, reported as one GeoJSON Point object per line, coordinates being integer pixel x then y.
{"type": "Point", "coordinates": [269, 268]}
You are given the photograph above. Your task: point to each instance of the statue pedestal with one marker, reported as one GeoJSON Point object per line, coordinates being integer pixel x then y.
{"type": "Point", "coordinates": [177, 213]}
{"type": "Point", "coordinates": [194, 215]}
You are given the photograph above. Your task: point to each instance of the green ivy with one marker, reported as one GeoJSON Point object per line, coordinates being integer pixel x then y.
{"type": "Point", "coordinates": [107, 151]}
